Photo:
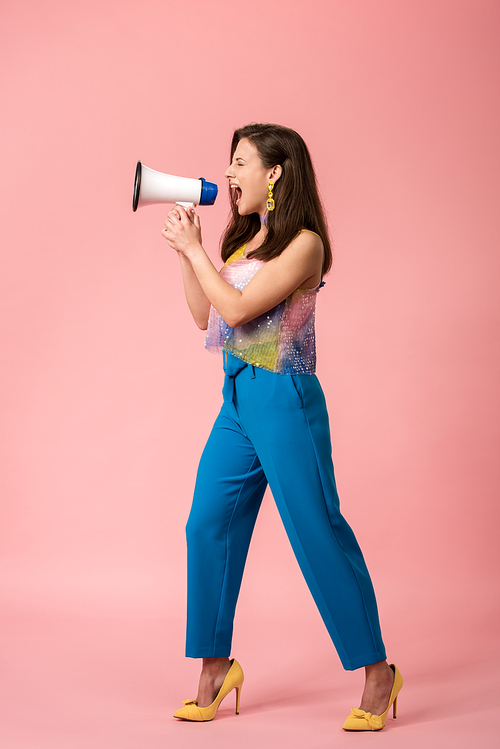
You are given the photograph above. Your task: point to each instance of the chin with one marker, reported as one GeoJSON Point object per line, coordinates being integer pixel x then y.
{"type": "Point", "coordinates": [247, 211]}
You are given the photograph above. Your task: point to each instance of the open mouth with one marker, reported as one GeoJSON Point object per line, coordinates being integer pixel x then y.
{"type": "Point", "coordinates": [237, 193]}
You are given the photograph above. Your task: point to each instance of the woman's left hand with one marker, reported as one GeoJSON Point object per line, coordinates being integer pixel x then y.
{"type": "Point", "coordinates": [183, 230]}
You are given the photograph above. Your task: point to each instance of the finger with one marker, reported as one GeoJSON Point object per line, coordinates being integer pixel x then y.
{"type": "Point", "coordinates": [170, 241]}
{"type": "Point", "coordinates": [195, 220]}
{"type": "Point", "coordinates": [173, 218]}
{"type": "Point", "coordinates": [183, 212]}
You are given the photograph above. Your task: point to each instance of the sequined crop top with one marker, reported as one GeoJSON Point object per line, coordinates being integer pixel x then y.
{"type": "Point", "coordinates": [281, 340]}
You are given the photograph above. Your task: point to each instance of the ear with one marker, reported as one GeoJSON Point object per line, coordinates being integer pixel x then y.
{"type": "Point", "coordinates": [275, 173]}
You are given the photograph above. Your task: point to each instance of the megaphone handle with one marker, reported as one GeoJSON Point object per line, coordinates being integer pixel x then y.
{"type": "Point", "coordinates": [184, 205]}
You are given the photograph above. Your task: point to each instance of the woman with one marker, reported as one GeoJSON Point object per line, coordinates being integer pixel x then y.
{"type": "Point", "coordinates": [273, 425]}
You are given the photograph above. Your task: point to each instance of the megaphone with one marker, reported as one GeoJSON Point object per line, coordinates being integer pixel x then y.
{"type": "Point", "coordinates": [155, 187]}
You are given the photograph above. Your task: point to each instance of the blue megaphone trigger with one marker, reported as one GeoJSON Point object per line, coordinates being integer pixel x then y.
{"type": "Point", "coordinates": [209, 192]}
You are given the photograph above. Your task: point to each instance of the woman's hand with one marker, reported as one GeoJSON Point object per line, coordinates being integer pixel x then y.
{"type": "Point", "coordinates": [183, 230]}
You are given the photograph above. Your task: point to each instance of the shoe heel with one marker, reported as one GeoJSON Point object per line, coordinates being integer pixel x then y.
{"type": "Point", "coordinates": [238, 690]}
{"type": "Point", "coordinates": [395, 708]}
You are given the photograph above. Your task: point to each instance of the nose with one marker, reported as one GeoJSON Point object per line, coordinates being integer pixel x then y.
{"type": "Point", "coordinates": [229, 172]}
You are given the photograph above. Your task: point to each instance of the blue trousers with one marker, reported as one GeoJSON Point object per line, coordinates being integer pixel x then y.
{"type": "Point", "coordinates": [274, 429]}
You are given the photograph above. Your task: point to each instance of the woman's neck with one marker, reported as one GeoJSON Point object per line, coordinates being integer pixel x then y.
{"type": "Point", "coordinates": [256, 240]}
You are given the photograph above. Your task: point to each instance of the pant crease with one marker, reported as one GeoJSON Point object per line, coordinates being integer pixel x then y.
{"type": "Point", "coordinates": [224, 578]}
{"type": "Point", "coordinates": [368, 618]}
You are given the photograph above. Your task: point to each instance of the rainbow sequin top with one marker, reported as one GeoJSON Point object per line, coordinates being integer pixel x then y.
{"type": "Point", "coordinates": [281, 340]}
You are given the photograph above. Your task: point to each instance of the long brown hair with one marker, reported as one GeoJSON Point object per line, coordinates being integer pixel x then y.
{"type": "Point", "coordinates": [298, 204]}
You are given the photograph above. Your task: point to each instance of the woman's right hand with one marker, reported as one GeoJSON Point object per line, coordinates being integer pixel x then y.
{"type": "Point", "coordinates": [183, 230]}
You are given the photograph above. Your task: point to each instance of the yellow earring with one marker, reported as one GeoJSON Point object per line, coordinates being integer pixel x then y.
{"type": "Point", "coordinates": [270, 200]}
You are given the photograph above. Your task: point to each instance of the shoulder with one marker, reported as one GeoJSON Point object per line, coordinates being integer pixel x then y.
{"type": "Point", "coordinates": [301, 262]}
{"type": "Point", "coordinates": [309, 238]}
{"type": "Point", "coordinates": [308, 241]}
{"type": "Point", "coordinates": [307, 245]}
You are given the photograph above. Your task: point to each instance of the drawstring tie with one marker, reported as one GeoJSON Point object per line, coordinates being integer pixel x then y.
{"type": "Point", "coordinates": [232, 367]}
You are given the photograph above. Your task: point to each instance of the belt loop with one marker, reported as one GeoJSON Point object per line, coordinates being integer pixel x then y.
{"type": "Point", "coordinates": [252, 373]}
{"type": "Point", "coordinates": [224, 359]}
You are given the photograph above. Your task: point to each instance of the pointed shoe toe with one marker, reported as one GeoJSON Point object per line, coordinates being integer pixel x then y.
{"type": "Point", "coordinates": [190, 711]}
{"type": "Point", "coordinates": [359, 720]}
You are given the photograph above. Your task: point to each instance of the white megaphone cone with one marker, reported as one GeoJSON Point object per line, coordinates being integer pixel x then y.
{"type": "Point", "coordinates": [155, 187]}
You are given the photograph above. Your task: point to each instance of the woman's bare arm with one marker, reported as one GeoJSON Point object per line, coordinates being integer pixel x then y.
{"type": "Point", "coordinates": [300, 264]}
{"type": "Point", "coordinates": [196, 298]}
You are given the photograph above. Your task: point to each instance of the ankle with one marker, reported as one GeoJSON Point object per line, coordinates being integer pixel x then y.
{"type": "Point", "coordinates": [214, 666]}
{"type": "Point", "coordinates": [379, 673]}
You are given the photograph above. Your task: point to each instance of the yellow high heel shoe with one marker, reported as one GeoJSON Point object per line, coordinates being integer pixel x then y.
{"type": "Point", "coordinates": [359, 720]}
{"type": "Point", "coordinates": [234, 680]}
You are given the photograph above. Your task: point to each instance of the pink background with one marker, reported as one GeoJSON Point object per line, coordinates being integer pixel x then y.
{"type": "Point", "coordinates": [108, 395]}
